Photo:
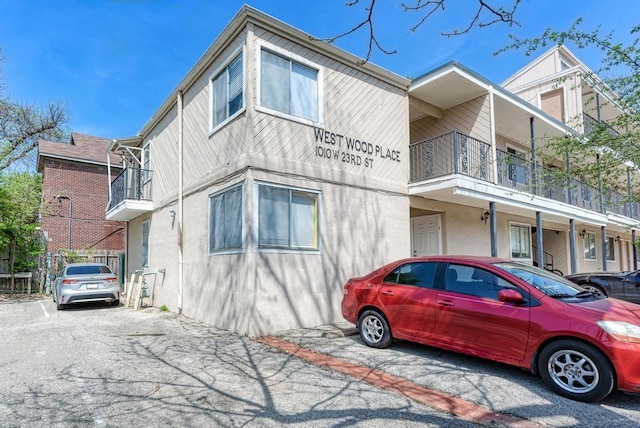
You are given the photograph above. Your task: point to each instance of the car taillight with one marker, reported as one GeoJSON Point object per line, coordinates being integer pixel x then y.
{"type": "Point", "coordinates": [347, 288]}
{"type": "Point", "coordinates": [111, 279]}
{"type": "Point", "coordinates": [69, 281]}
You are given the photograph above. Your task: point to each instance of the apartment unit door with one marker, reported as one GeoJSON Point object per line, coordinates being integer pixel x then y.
{"type": "Point", "coordinates": [426, 237]}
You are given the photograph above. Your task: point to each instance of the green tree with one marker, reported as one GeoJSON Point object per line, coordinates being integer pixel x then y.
{"type": "Point", "coordinates": [20, 195]}
{"type": "Point", "coordinates": [23, 124]}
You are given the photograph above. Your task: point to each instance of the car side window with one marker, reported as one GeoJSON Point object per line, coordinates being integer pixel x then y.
{"type": "Point", "coordinates": [420, 274]}
{"type": "Point", "coordinates": [474, 281]}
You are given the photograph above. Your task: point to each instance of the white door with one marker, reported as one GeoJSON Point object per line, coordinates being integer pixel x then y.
{"type": "Point", "coordinates": [426, 236]}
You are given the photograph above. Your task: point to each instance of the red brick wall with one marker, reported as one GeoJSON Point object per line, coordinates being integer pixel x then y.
{"type": "Point", "coordinates": [87, 186]}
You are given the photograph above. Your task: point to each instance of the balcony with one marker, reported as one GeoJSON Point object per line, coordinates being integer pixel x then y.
{"type": "Point", "coordinates": [456, 153]}
{"type": "Point", "coordinates": [130, 194]}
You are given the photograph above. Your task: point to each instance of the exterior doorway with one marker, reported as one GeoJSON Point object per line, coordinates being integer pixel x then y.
{"type": "Point", "coordinates": [426, 236]}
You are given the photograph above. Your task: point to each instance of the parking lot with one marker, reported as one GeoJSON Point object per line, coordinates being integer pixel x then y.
{"type": "Point", "coordinates": [102, 366]}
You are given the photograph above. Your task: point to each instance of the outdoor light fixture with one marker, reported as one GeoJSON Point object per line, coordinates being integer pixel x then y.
{"type": "Point", "coordinates": [618, 238]}
{"type": "Point", "coordinates": [584, 232]}
{"type": "Point", "coordinates": [485, 217]}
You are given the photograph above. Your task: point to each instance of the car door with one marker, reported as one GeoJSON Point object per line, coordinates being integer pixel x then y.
{"type": "Point", "coordinates": [632, 287]}
{"type": "Point", "coordinates": [408, 297]}
{"type": "Point", "coordinates": [470, 317]}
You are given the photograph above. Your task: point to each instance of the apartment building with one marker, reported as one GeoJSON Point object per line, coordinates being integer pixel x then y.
{"type": "Point", "coordinates": [280, 167]}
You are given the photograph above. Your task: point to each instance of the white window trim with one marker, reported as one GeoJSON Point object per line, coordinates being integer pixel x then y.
{"type": "Point", "coordinates": [238, 51]}
{"type": "Point", "coordinates": [528, 226]}
{"type": "Point", "coordinates": [595, 243]}
{"type": "Point", "coordinates": [256, 228]}
{"type": "Point", "coordinates": [240, 250]}
{"type": "Point", "coordinates": [299, 59]}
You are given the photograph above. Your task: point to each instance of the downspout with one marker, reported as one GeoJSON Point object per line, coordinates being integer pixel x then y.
{"type": "Point", "coordinates": [180, 203]}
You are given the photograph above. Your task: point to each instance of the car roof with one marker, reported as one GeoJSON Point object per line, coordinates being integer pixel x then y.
{"type": "Point", "coordinates": [457, 258]}
{"type": "Point", "coordinates": [85, 264]}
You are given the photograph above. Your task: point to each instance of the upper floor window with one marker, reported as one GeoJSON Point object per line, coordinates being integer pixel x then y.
{"type": "Point", "coordinates": [227, 92]}
{"type": "Point", "coordinates": [289, 86]}
{"type": "Point", "coordinates": [225, 220]}
{"type": "Point", "coordinates": [288, 218]}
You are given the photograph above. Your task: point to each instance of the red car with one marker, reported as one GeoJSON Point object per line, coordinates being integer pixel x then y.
{"type": "Point", "coordinates": [582, 344]}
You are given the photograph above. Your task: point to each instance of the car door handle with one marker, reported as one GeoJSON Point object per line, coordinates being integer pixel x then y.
{"type": "Point", "coordinates": [446, 303]}
{"type": "Point", "coordinates": [387, 293]}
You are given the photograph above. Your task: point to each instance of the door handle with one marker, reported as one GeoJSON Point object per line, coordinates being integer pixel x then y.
{"type": "Point", "coordinates": [446, 303]}
{"type": "Point", "coordinates": [387, 293]}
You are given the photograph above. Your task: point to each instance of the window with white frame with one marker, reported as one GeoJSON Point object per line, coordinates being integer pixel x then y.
{"type": "Point", "coordinates": [145, 244]}
{"type": "Point", "coordinates": [589, 245]}
{"type": "Point", "coordinates": [611, 249]}
{"type": "Point", "coordinates": [288, 218]}
{"type": "Point", "coordinates": [145, 173]}
{"type": "Point", "coordinates": [288, 86]}
{"type": "Point", "coordinates": [225, 220]}
{"type": "Point", "coordinates": [227, 92]}
{"type": "Point", "coordinates": [520, 235]}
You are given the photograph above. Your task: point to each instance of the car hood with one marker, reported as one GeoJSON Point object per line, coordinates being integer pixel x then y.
{"type": "Point", "coordinates": [611, 309]}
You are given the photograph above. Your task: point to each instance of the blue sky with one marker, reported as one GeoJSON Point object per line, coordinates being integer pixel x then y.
{"type": "Point", "coordinates": [114, 62]}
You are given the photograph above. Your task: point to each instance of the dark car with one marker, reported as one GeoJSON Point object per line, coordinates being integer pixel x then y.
{"type": "Point", "coordinates": [583, 345]}
{"type": "Point", "coordinates": [621, 285]}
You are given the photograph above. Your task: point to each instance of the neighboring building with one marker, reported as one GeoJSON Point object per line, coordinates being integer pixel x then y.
{"type": "Point", "coordinates": [281, 167]}
{"type": "Point", "coordinates": [74, 196]}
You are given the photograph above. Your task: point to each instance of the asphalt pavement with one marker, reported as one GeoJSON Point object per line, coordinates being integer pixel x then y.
{"type": "Point", "coordinates": [95, 365]}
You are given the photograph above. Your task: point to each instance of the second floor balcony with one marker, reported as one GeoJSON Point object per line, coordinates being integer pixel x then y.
{"type": "Point", "coordinates": [130, 194]}
{"type": "Point", "coordinates": [455, 153]}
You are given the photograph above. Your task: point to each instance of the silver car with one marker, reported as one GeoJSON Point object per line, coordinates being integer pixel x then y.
{"type": "Point", "coordinates": [86, 282]}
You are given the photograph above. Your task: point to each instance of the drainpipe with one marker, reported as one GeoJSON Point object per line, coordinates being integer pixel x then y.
{"type": "Point", "coordinates": [180, 203]}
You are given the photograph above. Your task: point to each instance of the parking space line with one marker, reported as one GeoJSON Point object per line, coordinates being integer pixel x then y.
{"type": "Point", "coordinates": [437, 400]}
{"type": "Point", "coordinates": [46, 314]}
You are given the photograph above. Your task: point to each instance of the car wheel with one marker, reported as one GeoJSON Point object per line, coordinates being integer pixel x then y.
{"type": "Point", "coordinates": [374, 329]}
{"type": "Point", "coordinates": [594, 289]}
{"type": "Point", "coordinates": [115, 302]}
{"type": "Point", "coordinates": [576, 370]}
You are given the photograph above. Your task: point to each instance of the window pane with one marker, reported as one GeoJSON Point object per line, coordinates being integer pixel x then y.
{"type": "Point", "coordinates": [216, 239]}
{"type": "Point", "coordinates": [304, 91]}
{"type": "Point", "coordinates": [233, 218]}
{"type": "Point", "coordinates": [303, 220]}
{"type": "Point", "coordinates": [520, 242]}
{"type": "Point", "coordinates": [274, 80]}
{"type": "Point", "coordinates": [145, 244]}
{"type": "Point", "coordinates": [220, 98]}
{"type": "Point", "coordinates": [273, 217]}
{"type": "Point", "coordinates": [235, 85]}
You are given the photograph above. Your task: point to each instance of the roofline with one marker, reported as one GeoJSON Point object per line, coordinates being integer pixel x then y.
{"type": "Point", "coordinates": [72, 159]}
{"type": "Point", "coordinates": [248, 14]}
{"type": "Point", "coordinates": [453, 66]}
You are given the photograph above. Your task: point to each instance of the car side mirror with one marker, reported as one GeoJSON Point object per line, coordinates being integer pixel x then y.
{"type": "Point", "coordinates": [510, 295]}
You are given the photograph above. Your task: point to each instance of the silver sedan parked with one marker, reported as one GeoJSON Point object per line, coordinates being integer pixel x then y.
{"type": "Point", "coordinates": [86, 282]}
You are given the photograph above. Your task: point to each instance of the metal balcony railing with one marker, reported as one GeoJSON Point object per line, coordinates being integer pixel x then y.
{"type": "Point", "coordinates": [451, 153]}
{"type": "Point", "coordinates": [456, 153]}
{"type": "Point", "coordinates": [589, 123]}
{"type": "Point", "coordinates": [131, 184]}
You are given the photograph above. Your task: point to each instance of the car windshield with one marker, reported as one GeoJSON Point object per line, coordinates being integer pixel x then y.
{"type": "Point", "coordinates": [548, 282]}
{"type": "Point", "coordinates": [84, 270]}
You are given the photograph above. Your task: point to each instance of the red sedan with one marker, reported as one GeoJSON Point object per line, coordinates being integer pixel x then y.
{"type": "Point", "coordinates": [581, 343]}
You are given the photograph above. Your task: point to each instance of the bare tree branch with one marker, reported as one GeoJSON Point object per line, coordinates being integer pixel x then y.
{"type": "Point", "coordinates": [484, 16]}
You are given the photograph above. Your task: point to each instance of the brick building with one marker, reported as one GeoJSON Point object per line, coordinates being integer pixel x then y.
{"type": "Point", "coordinates": [74, 198]}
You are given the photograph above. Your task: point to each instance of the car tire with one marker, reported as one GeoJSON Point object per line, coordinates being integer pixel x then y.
{"type": "Point", "coordinates": [60, 306]}
{"type": "Point", "coordinates": [374, 329]}
{"type": "Point", "coordinates": [594, 289]}
{"type": "Point", "coordinates": [115, 303]}
{"type": "Point", "coordinates": [576, 370]}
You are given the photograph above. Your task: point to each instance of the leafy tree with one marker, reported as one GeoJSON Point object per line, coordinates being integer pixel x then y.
{"type": "Point", "coordinates": [20, 195]}
{"type": "Point", "coordinates": [608, 153]}
{"type": "Point", "coordinates": [23, 124]}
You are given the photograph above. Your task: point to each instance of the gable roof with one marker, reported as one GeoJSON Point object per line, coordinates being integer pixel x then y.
{"type": "Point", "coordinates": [81, 148]}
